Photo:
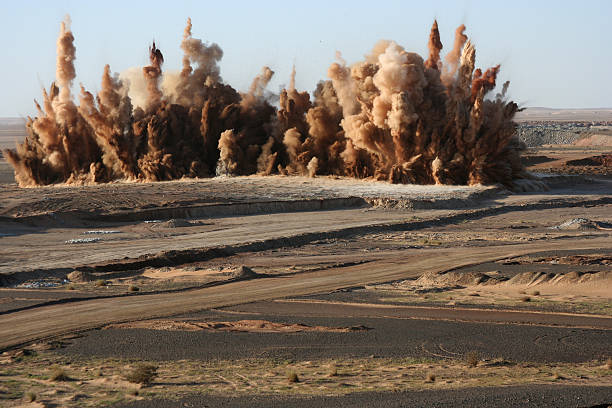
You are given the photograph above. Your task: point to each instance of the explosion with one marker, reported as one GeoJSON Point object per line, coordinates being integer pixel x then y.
{"type": "Point", "coordinates": [392, 116]}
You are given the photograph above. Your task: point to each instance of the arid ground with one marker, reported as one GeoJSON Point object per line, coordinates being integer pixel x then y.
{"type": "Point", "coordinates": [291, 291]}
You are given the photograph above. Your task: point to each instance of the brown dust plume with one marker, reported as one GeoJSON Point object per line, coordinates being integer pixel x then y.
{"type": "Point", "coordinates": [393, 116]}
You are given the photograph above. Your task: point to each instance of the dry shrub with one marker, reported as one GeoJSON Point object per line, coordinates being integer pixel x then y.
{"type": "Point", "coordinates": [133, 288]}
{"type": "Point", "coordinates": [609, 364]}
{"type": "Point", "coordinates": [471, 359]}
{"type": "Point", "coordinates": [333, 371]}
{"type": "Point", "coordinates": [431, 377]}
{"type": "Point", "coordinates": [525, 299]}
{"type": "Point", "coordinates": [59, 374]}
{"type": "Point", "coordinates": [293, 378]}
{"type": "Point", "coordinates": [536, 293]}
{"type": "Point", "coordinates": [142, 374]}
{"type": "Point", "coordinates": [101, 282]}
{"type": "Point", "coordinates": [30, 396]}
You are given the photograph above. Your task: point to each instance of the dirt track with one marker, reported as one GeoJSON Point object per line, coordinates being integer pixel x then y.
{"type": "Point", "coordinates": [48, 321]}
{"type": "Point", "coordinates": [312, 250]}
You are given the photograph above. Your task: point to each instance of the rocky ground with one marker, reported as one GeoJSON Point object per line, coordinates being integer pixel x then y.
{"type": "Point", "coordinates": [277, 291]}
{"type": "Point", "coordinates": [535, 134]}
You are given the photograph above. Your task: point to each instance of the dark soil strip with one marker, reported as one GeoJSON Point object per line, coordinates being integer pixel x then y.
{"type": "Point", "coordinates": [522, 396]}
{"type": "Point", "coordinates": [388, 338]}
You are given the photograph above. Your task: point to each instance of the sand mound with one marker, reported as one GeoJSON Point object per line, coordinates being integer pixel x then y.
{"type": "Point", "coordinates": [574, 278]}
{"type": "Point", "coordinates": [583, 224]}
{"type": "Point", "coordinates": [251, 326]}
{"type": "Point", "coordinates": [171, 223]}
{"type": "Point", "coordinates": [80, 277]}
{"type": "Point", "coordinates": [241, 272]}
{"type": "Point", "coordinates": [453, 278]}
{"type": "Point", "coordinates": [461, 280]}
{"type": "Point", "coordinates": [529, 278]}
{"type": "Point", "coordinates": [194, 273]}
{"type": "Point", "coordinates": [177, 274]}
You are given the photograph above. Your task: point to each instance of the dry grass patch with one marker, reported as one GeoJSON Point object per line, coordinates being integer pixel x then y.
{"type": "Point", "coordinates": [333, 370]}
{"type": "Point", "coordinates": [143, 374]}
{"type": "Point", "coordinates": [59, 374]}
{"type": "Point", "coordinates": [471, 359]}
{"type": "Point", "coordinates": [271, 377]}
{"type": "Point", "coordinates": [29, 396]}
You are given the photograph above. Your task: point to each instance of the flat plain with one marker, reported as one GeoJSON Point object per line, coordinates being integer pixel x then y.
{"type": "Point", "coordinates": [291, 291]}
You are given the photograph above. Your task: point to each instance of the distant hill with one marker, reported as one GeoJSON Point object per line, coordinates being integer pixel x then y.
{"type": "Point", "coordinates": [12, 130]}
{"type": "Point", "coordinates": [4, 122]}
{"type": "Point", "coordinates": [564, 115]}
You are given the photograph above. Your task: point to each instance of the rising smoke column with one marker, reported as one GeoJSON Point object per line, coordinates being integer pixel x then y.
{"type": "Point", "coordinates": [393, 116]}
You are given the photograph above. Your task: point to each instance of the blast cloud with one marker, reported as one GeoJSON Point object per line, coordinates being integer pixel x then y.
{"type": "Point", "coordinates": [393, 116]}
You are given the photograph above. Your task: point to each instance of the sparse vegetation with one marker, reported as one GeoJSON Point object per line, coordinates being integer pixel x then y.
{"type": "Point", "coordinates": [315, 377]}
{"type": "Point", "coordinates": [59, 374]}
{"type": "Point", "coordinates": [29, 396]}
{"type": "Point", "coordinates": [471, 359]}
{"type": "Point", "coordinates": [333, 371]}
{"type": "Point", "coordinates": [430, 242]}
{"type": "Point", "coordinates": [101, 282]}
{"type": "Point", "coordinates": [142, 374]}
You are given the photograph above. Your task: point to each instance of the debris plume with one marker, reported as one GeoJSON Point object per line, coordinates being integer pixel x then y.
{"type": "Point", "coordinates": [393, 116]}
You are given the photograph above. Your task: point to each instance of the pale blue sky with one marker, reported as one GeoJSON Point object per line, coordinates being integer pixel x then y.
{"type": "Point", "coordinates": [555, 53]}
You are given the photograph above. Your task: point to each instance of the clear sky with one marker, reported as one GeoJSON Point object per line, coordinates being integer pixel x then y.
{"type": "Point", "coordinates": [555, 53]}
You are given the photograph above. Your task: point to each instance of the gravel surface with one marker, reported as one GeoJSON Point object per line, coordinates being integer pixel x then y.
{"type": "Point", "coordinates": [540, 133]}
{"type": "Point", "coordinates": [523, 396]}
{"type": "Point", "coordinates": [388, 337]}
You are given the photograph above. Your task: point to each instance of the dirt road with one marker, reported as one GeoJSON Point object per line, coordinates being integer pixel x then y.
{"type": "Point", "coordinates": [48, 321]}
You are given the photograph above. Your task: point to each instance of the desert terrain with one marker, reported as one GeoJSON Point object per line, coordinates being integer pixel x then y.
{"type": "Point", "coordinates": [296, 291]}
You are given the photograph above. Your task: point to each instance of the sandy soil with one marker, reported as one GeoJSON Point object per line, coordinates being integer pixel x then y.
{"type": "Point", "coordinates": [567, 159]}
{"type": "Point", "coordinates": [247, 326]}
{"type": "Point", "coordinates": [255, 272]}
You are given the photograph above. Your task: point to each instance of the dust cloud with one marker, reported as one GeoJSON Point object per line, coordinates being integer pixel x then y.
{"type": "Point", "coordinates": [393, 116]}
